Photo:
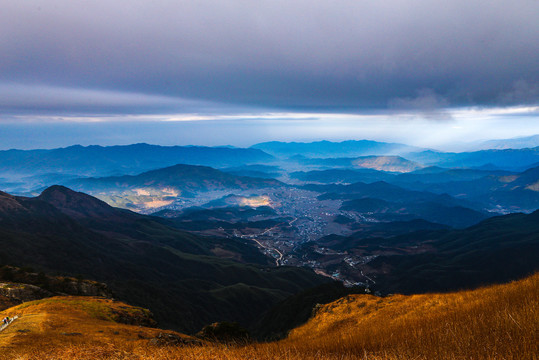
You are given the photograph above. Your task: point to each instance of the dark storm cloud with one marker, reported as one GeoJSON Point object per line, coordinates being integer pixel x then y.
{"type": "Point", "coordinates": [339, 55]}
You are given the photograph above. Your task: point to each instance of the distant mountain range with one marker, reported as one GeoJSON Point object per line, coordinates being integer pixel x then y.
{"type": "Point", "coordinates": [342, 176]}
{"type": "Point", "coordinates": [28, 171]}
{"type": "Point", "coordinates": [515, 143]}
{"type": "Point", "coordinates": [432, 174]}
{"type": "Point", "coordinates": [181, 177]}
{"type": "Point", "coordinates": [506, 159]}
{"type": "Point", "coordinates": [120, 160]}
{"type": "Point", "coordinates": [158, 188]}
{"type": "Point", "coordinates": [412, 158]}
{"type": "Point", "coordinates": [260, 171]}
{"type": "Point", "coordinates": [381, 163]}
{"type": "Point", "coordinates": [517, 191]}
{"type": "Point", "coordinates": [328, 149]}
{"type": "Point", "coordinates": [187, 281]}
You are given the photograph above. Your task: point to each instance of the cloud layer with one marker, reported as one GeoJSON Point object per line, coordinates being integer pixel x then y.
{"type": "Point", "coordinates": [331, 56]}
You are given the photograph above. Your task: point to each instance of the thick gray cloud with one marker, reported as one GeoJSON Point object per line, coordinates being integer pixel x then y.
{"type": "Point", "coordinates": [335, 55]}
{"type": "Point", "coordinates": [53, 100]}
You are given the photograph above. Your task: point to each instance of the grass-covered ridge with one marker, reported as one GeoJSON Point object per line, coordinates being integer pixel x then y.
{"type": "Point", "coordinates": [96, 308]}
{"type": "Point", "coordinates": [497, 322]}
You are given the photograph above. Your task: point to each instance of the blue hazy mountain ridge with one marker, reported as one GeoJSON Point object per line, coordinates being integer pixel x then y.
{"type": "Point", "coordinates": [327, 149]}
{"type": "Point", "coordinates": [390, 163]}
{"type": "Point", "coordinates": [386, 202]}
{"type": "Point", "coordinates": [255, 170]}
{"type": "Point", "coordinates": [189, 178]}
{"type": "Point", "coordinates": [516, 143]}
{"type": "Point", "coordinates": [491, 159]}
{"type": "Point", "coordinates": [425, 175]}
{"type": "Point", "coordinates": [504, 159]}
{"type": "Point", "coordinates": [120, 160]}
{"type": "Point", "coordinates": [512, 191]}
{"type": "Point", "coordinates": [330, 176]}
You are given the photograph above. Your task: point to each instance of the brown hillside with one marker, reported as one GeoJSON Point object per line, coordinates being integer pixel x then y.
{"type": "Point", "coordinates": [498, 322]}
{"type": "Point", "coordinates": [43, 327]}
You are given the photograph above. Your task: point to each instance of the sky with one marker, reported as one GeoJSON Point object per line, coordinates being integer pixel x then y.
{"type": "Point", "coordinates": [430, 73]}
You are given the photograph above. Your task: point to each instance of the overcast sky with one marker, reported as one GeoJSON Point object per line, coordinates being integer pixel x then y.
{"type": "Point", "coordinates": [367, 67]}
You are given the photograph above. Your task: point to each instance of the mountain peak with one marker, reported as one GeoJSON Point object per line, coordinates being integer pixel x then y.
{"type": "Point", "coordinates": [5, 195]}
{"type": "Point", "coordinates": [8, 203]}
{"type": "Point", "coordinates": [76, 204]}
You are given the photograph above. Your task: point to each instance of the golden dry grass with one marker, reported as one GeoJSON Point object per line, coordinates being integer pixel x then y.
{"type": "Point", "coordinates": [498, 322]}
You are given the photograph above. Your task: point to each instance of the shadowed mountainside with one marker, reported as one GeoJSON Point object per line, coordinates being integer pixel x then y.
{"type": "Point", "coordinates": [496, 250]}
{"type": "Point", "coordinates": [184, 178]}
{"type": "Point", "coordinates": [144, 260]}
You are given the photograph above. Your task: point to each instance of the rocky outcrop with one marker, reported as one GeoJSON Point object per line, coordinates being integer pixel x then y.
{"type": "Point", "coordinates": [169, 339]}
{"type": "Point", "coordinates": [23, 292]}
{"type": "Point", "coordinates": [50, 285]}
{"type": "Point", "coordinates": [131, 315]}
{"type": "Point", "coordinates": [226, 332]}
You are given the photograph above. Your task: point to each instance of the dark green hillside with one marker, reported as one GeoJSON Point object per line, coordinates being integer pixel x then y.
{"type": "Point", "coordinates": [227, 218]}
{"type": "Point", "coordinates": [437, 175]}
{"type": "Point", "coordinates": [297, 309]}
{"type": "Point", "coordinates": [261, 171]}
{"type": "Point", "coordinates": [228, 213]}
{"type": "Point", "coordinates": [342, 176]}
{"type": "Point", "coordinates": [380, 190]}
{"type": "Point", "coordinates": [498, 249]}
{"type": "Point", "coordinates": [432, 211]}
{"type": "Point", "coordinates": [370, 234]}
{"type": "Point", "coordinates": [142, 259]}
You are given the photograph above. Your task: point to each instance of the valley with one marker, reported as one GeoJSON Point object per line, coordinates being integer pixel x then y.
{"type": "Point", "coordinates": [259, 244]}
{"type": "Point", "coordinates": [338, 216]}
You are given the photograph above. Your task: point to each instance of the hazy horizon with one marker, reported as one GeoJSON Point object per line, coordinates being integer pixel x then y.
{"type": "Point", "coordinates": [451, 136]}
{"type": "Point", "coordinates": [426, 73]}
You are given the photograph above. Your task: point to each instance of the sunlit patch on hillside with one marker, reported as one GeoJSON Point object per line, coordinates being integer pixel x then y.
{"type": "Point", "coordinates": [255, 201]}
{"type": "Point", "coordinates": [165, 191]}
{"type": "Point", "coordinates": [141, 199]}
{"type": "Point", "coordinates": [70, 322]}
{"type": "Point", "coordinates": [533, 187]}
{"type": "Point", "coordinates": [386, 163]}
{"type": "Point", "coordinates": [508, 178]}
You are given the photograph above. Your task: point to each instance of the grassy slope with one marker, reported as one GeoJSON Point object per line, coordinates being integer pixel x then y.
{"type": "Point", "coordinates": [66, 322]}
{"type": "Point", "coordinates": [494, 322]}
{"type": "Point", "coordinates": [498, 322]}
